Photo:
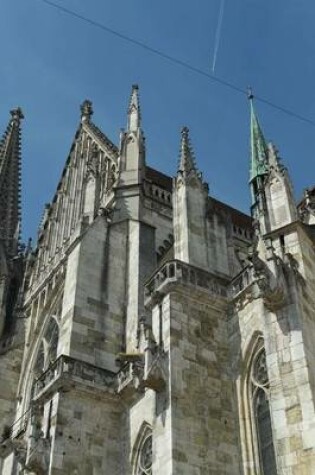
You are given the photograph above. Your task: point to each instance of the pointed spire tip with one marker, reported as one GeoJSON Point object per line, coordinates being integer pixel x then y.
{"type": "Point", "coordinates": [186, 162]}
{"type": "Point", "coordinates": [17, 114]}
{"type": "Point", "coordinates": [134, 112]}
{"type": "Point", "coordinates": [259, 148]}
{"type": "Point", "coordinates": [250, 94]}
{"type": "Point", "coordinates": [185, 131]}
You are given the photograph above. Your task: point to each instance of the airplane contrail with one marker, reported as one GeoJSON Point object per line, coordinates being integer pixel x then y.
{"type": "Point", "coordinates": [218, 35]}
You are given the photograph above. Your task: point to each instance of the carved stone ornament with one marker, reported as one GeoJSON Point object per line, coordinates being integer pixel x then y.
{"type": "Point", "coordinates": [271, 286]}
{"type": "Point", "coordinates": [259, 371]}
{"type": "Point", "coordinates": [155, 378]}
{"type": "Point", "coordinates": [274, 299]}
{"type": "Point", "coordinates": [129, 379]}
{"type": "Point", "coordinates": [93, 162]}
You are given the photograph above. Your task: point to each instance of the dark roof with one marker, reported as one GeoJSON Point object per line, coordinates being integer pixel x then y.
{"type": "Point", "coordinates": [238, 218]}
{"type": "Point", "coordinates": [159, 179]}
{"type": "Point", "coordinates": [164, 181]}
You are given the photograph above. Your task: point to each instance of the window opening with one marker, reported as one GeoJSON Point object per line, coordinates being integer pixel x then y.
{"type": "Point", "coordinates": [144, 466]}
{"type": "Point", "coordinates": [260, 393]}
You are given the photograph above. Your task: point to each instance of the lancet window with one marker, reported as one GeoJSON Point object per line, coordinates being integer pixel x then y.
{"type": "Point", "coordinates": [47, 352]}
{"type": "Point", "coordinates": [145, 457]}
{"type": "Point", "coordinates": [261, 414]}
{"type": "Point", "coordinates": [143, 462]}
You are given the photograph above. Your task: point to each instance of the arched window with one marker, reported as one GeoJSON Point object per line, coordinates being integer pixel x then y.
{"type": "Point", "coordinates": [51, 341]}
{"type": "Point", "coordinates": [145, 457]}
{"type": "Point", "coordinates": [47, 352]}
{"type": "Point", "coordinates": [258, 450]}
{"type": "Point", "coordinates": [143, 452]}
{"type": "Point", "coordinates": [39, 365]}
{"type": "Point", "coordinates": [262, 416]}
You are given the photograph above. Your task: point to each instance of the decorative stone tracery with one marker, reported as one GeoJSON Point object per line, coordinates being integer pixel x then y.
{"type": "Point", "coordinates": [144, 461]}
{"type": "Point", "coordinates": [47, 352]}
{"type": "Point", "coordinates": [261, 414]}
{"type": "Point", "coordinates": [255, 415]}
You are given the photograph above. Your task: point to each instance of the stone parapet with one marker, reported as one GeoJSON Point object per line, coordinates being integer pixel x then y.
{"type": "Point", "coordinates": [178, 272]}
{"type": "Point", "coordinates": [241, 282]}
{"type": "Point", "coordinates": [130, 379]}
{"type": "Point", "coordinates": [66, 370]}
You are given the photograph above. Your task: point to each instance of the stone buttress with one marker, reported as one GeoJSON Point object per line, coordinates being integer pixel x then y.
{"type": "Point", "coordinates": [187, 364]}
{"type": "Point", "coordinates": [272, 326]}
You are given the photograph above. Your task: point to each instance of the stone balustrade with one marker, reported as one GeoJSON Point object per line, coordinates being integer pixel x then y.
{"type": "Point", "coordinates": [181, 273]}
{"type": "Point", "coordinates": [17, 428]}
{"type": "Point", "coordinates": [130, 376]}
{"type": "Point", "coordinates": [67, 369]}
{"type": "Point", "coordinates": [157, 193]}
{"type": "Point", "coordinates": [242, 281]}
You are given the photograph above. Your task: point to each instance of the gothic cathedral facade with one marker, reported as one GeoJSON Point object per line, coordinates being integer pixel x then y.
{"type": "Point", "coordinates": [155, 330]}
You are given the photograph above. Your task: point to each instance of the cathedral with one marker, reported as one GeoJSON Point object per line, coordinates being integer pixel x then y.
{"type": "Point", "coordinates": [154, 330]}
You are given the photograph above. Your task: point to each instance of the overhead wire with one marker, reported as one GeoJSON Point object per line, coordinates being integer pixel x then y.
{"type": "Point", "coordinates": [176, 60]}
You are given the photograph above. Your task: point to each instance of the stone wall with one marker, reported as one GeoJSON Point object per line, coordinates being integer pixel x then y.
{"type": "Point", "coordinates": [10, 365]}
{"type": "Point", "coordinates": [89, 436]}
{"type": "Point", "coordinates": [204, 436]}
{"type": "Point", "coordinates": [94, 296]}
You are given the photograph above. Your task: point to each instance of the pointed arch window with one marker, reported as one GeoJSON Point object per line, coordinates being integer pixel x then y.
{"type": "Point", "coordinates": [47, 352]}
{"type": "Point", "coordinates": [257, 438]}
{"type": "Point", "coordinates": [261, 414]}
{"type": "Point", "coordinates": [143, 459]}
{"type": "Point", "coordinates": [51, 341]}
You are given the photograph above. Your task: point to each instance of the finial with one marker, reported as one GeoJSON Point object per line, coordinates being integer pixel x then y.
{"type": "Point", "coordinates": [250, 94]}
{"type": "Point", "coordinates": [187, 162]}
{"type": "Point", "coordinates": [17, 115]}
{"type": "Point", "coordinates": [86, 111]}
{"type": "Point", "coordinates": [185, 132]}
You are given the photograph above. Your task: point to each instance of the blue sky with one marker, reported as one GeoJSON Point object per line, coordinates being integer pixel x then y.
{"type": "Point", "coordinates": [50, 63]}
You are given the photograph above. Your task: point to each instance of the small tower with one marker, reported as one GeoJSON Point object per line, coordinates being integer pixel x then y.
{"type": "Point", "coordinates": [130, 209]}
{"type": "Point", "coordinates": [10, 271]}
{"type": "Point", "coordinates": [279, 192]}
{"type": "Point", "coordinates": [190, 199]}
{"type": "Point", "coordinates": [258, 170]}
{"type": "Point", "coordinates": [273, 204]}
{"type": "Point", "coordinates": [10, 171]}
{"type": "Point", "coordinates": [132, 154]}
{"type": "Point", "coordinates": [11, 267]}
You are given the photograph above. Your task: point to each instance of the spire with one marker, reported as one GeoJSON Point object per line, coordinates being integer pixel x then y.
{"type": "Point", "coordinates": [10, 169]}
{"type": "Point", "coordinates": [134, 113]}
{"type": "Point", "coordinates": [259, 149]}
{"type": "Point", "coordinates": [187, 159]}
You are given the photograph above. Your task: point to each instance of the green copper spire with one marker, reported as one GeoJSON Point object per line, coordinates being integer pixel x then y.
{"type": "Point", "coordinates": [259, 149]}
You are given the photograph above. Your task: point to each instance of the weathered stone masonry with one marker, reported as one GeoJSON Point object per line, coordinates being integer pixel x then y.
{"type": "Point", "coordinates": [154, 329]}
